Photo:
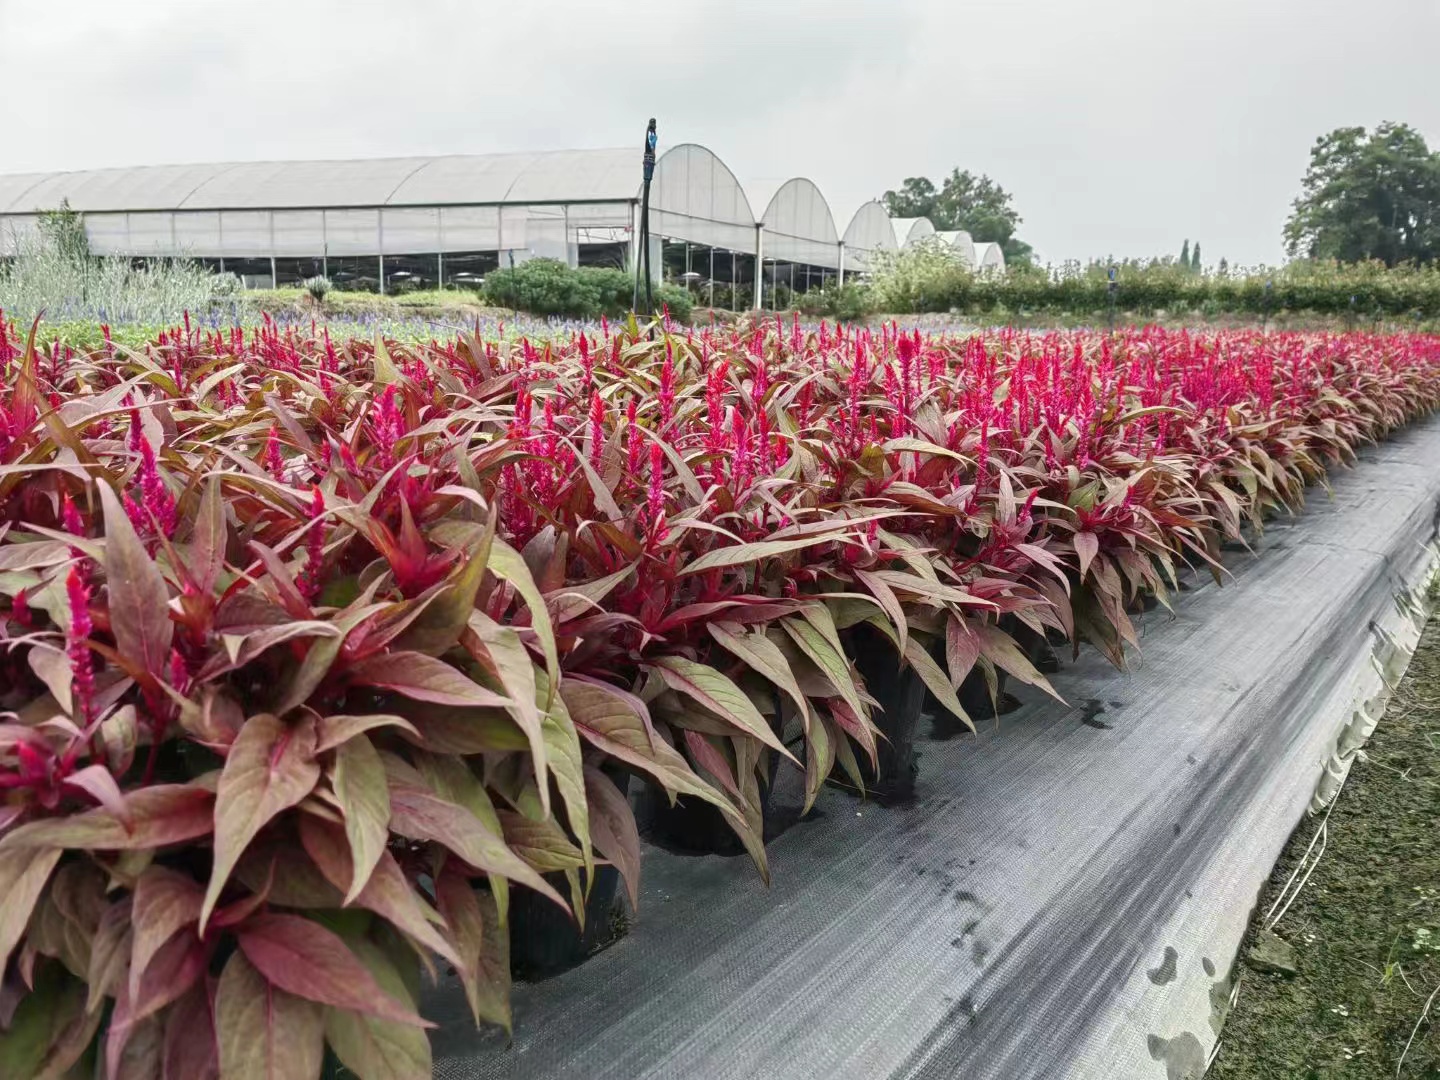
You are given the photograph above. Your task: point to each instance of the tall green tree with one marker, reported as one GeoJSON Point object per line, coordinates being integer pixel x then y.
{"type": "Point", "coordinates": [1195, 263]}
{"type": "Point", "coordinates": [976, 204]}
{"type": "Point", "coordinates": [1369, 196]}
{"type": "Point", "coordinates": [1185, 254]}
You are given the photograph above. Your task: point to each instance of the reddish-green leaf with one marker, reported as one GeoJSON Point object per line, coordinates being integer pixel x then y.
{"type": "Point", "coordinates": [612, 827]}
{"type": "Point", "coordinates": [423, 678]}
{"type": "Point", "coordinates": [607, 719]}
{"type": "Point", "coordinates": [1000, 648]}
{"type": "Point", "coordinates": [763, 657]}
{"type": "Point", "coordinates": [23, 874]}
{"type": "Point", "coordinates": [159, 815]}
{"type": "Point", "coordinates": [742, 554]}
{"type": "Point", "coordinates": [271, 767]}
{"type": "Point", "coordinates": [375, 1049]}
{"type": "Point", "coordinates": [263, 1032]}
{"type": "Point", "coordinates": [720, 695]}
{"type": "Point", "coordinates": [499, 650]}
{"type": "Point", "coordinates": [190, 1052]}
{"type": "Point", "coordinates": [1087, 544]}
{"type": "Point", "coordinates": [359, 780]}
{"type": "Point", "coordinates": [166, 901]}
{"type": "Point", "coordinates": [331, 731]}
{"type": "Point", "coordinates": [303, 958]}
{"type": "Point", "coordinates": [508, 565]}
{"type": "Point", "coordinates": [139, 598]}
{"type": "Point", "coordinates": [422, 815]}
{"type": "Point", "coordinates": [484, 945]}
{"type": "Point", "coordinates": [387, 893]}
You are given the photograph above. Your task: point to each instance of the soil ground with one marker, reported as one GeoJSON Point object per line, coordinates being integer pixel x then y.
{"type": "Point", "coordinates": [1366, 927]}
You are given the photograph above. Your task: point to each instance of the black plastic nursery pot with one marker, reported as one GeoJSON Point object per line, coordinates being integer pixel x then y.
{"type": "Point", "coordinates": [544, 940]}
{"type": "Point", "coordinates": [693, 826]}
{"type": "Point", "coordinates": [901, 695]}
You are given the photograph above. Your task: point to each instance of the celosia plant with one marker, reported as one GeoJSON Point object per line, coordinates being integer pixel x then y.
{"type": "Point", "coordinates": [315, 651]}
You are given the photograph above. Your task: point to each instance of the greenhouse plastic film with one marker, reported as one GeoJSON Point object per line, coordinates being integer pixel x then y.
{"type": "Point", "coordinates": [1066, 895]}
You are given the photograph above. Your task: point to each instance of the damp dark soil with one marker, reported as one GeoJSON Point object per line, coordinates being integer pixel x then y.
{"type": "Point", "coordinates": [1365, 929]}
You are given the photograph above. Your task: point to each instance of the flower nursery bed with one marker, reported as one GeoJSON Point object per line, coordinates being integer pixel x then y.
{"type": "Point", "coordinates": [332, 665]}
{"type": "Point", "coordinates": [1067, 892]}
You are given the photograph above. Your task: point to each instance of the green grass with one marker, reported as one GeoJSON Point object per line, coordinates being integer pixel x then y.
{"type": "Point", "coordinates": [1366, 927]}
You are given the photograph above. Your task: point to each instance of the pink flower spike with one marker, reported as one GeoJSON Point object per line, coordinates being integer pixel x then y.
{"type": "Point", "coordinates": [77, 594]}
{"type": "Point", "coordinates": [656, 500]}
{"type": "Point", "coordinates": [274, 460]}
{"type": "Point", "coordinates": [597, 427]}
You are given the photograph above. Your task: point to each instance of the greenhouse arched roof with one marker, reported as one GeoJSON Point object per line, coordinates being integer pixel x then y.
{"type": "Point", "coordinates": [911, 230]}
{"type": "Point", "coordinates": [869, 231]}
{"type": "Point", "coordinates": [961, 244]}
{"type": "Point", "coordinates": [989, 256]}
{"type": "Point", "coordinates": [799, 227]}
{"type": "Point", "coordinates": [471, 179]}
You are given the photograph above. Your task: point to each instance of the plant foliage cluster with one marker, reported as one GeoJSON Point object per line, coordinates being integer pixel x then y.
{"type": "Point", "coordinates": [53, 272]}
{"type": "Point", "coordinates": [317, 654]}
{"type": "Point", "coordinates": [929, 278]}
{"type": "Point", "coordinates": [549, 287]}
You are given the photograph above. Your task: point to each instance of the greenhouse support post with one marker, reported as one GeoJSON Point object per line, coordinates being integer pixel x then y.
{"type": "Point", "coordinates": [759, 265]}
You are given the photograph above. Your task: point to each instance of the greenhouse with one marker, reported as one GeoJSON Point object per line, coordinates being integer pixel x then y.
{"type": "Point", "coordinates": [395, 224]}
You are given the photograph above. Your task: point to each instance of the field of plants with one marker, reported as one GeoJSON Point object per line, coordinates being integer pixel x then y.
{"type": "Point", "coordinates": [328, 664]}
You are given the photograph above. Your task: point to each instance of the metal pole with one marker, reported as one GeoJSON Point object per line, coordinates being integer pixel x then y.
{"type": "Point", "coordinates": [734, 284]}
{"type": "Point", "coordinates": [759, 265]}
{"type": "Point", "coordinates": [712, 277]}
{"type": "Point", "coordinates": [841, 282]}
{"type": "Point", "coordinates": [648, 163]}
{"type": "Point", "coordinates": [440, 269]}
{"type": "Point", "coordinates": [382, 274]}
{"type": "Point", "coordinates": [274, 280]}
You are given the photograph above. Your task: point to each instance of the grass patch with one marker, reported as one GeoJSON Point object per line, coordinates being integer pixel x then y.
{"type": "Point", "coordinates": [1366, 928]}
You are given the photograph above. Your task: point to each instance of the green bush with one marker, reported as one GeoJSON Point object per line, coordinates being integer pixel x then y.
{"type": "Point", "coordinates": [549, 287]}
{"type": "Point", "coordinates": [929, 279]}
{"type": "Point", "coordinates": [846, 303]}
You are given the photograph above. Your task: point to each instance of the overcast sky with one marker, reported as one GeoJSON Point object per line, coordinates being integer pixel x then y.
{"type": "Point", "coordinates": [1120, 127]}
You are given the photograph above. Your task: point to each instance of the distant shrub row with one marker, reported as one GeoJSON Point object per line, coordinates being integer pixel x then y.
{"type": "Point", "coordinates": [929, 281]}
{"type": "Point", "coordinates": [549, 287]}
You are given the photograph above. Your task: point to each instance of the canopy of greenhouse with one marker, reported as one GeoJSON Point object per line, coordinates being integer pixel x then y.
{"type": "Point", "coordinates": [909, 231]}
{"type": "Point", "coordinates": [529, 203]}
{"type": "Point", "coordinates": [869, 231]}
{"type": "Point", "coordinates": [420, 221]}
{"type": "Point", "coordinates": [799, 227]}
{"type": "Point", "coordinates": [989, 257]}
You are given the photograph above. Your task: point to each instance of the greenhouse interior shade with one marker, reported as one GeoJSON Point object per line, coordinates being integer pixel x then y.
{"type": "Point", "coordinates": [450, 218]}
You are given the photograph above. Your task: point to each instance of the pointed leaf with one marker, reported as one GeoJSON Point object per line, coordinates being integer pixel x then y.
{"type": "Point", "coordinates": [159, 815]}
{"type": "Point", "coordinates": [332, 731]}
{"type": "Point", "coordinates": [936, 681]}
{"type": "Point", "coordinates": [423, 678]}
{"type": "Point", "coordinates": [165, 902]}
{"type": "Point", "coordinates": [507, 564]}
{"type": "Point", "coordinates": [763, 657]}
{"type": "Point", "coordinates": [270, 768]}
{"type": "Point", "coordinates": [1086, 546]}
{"type": "Point", "coordinates": [422, 815]}
{"type": "Point", "coordinates": [720, 695]}
{"type": "Point", "coordinates": [23, 874]}
{"type": "Point", "coordinates": [301, 957]}
{"type": "Point", "coordinates": [1000, 648]}
{"type": "Point", "coordinates": [375, 1049]}
{"type": "Point", "coordinates": [359, 781]}
{"type": "Point", "coordinates": [263, 1032]}
{"type": "Point", "coordinates": [499, 650]}
{"type": "Point", "coordinates": [139, 597]}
